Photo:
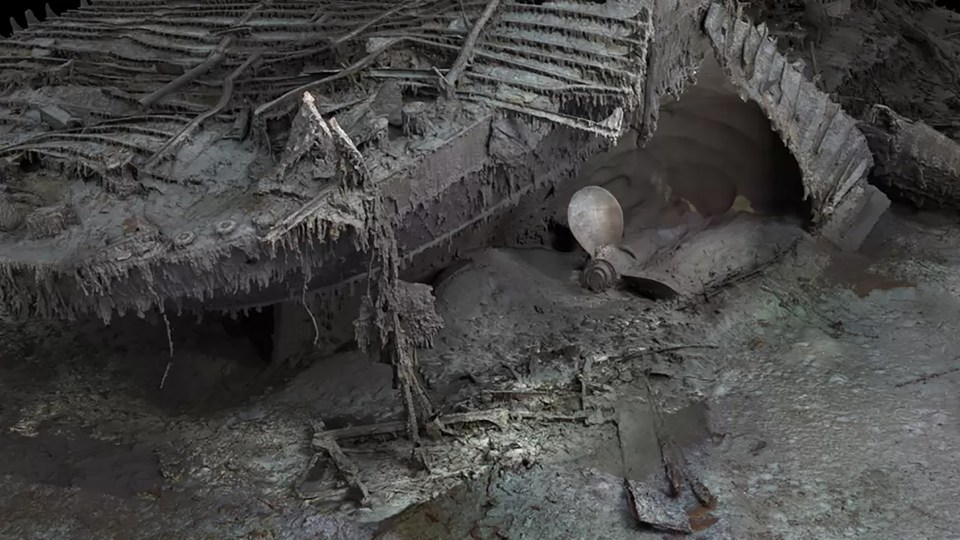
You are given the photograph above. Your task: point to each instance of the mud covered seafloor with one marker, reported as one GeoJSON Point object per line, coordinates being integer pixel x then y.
{"type": "Point", "coordinates": [816, 401]}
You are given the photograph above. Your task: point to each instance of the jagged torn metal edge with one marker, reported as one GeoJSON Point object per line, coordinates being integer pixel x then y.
{"type": "Point", "coordinates": [832, 152]}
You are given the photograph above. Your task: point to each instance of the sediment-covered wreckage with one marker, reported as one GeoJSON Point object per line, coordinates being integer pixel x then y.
{"type": "Point", "coordinates": [190, 156]}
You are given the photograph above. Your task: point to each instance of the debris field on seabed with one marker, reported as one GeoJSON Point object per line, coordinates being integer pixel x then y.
{"type": "Point", "coordinates": [774, 365]}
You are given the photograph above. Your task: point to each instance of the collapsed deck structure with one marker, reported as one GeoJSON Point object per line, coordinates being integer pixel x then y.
{"type": "Point", "coordinates": [195, 156]}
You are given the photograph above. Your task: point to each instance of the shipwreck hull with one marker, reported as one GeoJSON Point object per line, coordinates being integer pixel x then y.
{"type": "Point", "coordinates": [176, 230]}
{"type": "Point", "coordinates": [210, 172]}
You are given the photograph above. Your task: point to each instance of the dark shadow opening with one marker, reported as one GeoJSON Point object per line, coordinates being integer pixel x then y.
{"type": "Point", "coordinates": [256, 326]}
{"type": "Point", "coordinates": [712, 153]}
{"type": "Point", "coordinates": [561, 239]}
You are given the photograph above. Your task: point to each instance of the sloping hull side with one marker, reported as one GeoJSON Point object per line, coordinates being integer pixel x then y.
{"type": "Point", "coordinates": [832, 152]}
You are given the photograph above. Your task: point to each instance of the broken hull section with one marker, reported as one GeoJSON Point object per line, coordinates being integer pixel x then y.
{"type": "Point", "coordinates": [448, 176]}
{"type": "Point", "coordinates": [413, 155]}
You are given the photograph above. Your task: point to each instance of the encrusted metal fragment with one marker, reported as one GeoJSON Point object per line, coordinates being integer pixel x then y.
{"type": "Point", "coordinates": [415, 119]}
{"type": "Point", "coordinates": [913, 159]}
{"type": "Point", "coordinates": [11, 215]}
{"type": "Point", "coordinates": [309, 136]}
{"type": "Point", "coordinates": [654, 509]}
{"type": "Point", "coordinates": [184, 239]}
{"type": "Point", "coordinates": [352, 167]}
{"type": "Point", "coordinates": [363, 124]}
{"type": "Point", "coordinates": [49, 221]}
{"type": "Point", "coordinates": [264, 220]}
{"type": "Point", "coordinates": [226, 227]}
{"type": "Point", "coordinates": [58, 118]}
{"type": "Point", "coordinates": [599, 275]}
{"type": "Point", "coordinates": [419, 319]}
